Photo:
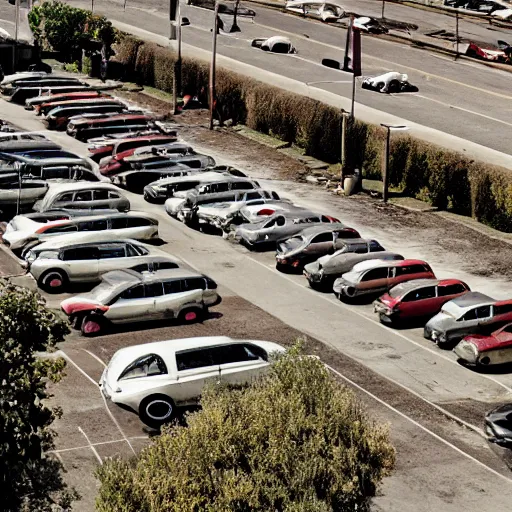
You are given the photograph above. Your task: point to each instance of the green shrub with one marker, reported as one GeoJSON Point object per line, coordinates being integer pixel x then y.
{"type": "Point", "coordinates": [294, 440]}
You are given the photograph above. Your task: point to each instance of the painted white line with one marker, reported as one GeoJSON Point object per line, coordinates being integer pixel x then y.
{"type": "Point", "coordinates": [57, 452]}
{"type": "Point", "coordinates": [95, 357]}
{"type": "Point", "coordinates": [374, 322]}
{"type": "Point", "coordinates": [90, 445]}
{"type": "Point", "coordinates": [462, 109]}
{"type": "Point", "coordinates": [420, 426]}
{"type": "Point", "coordinates": [102, 396]}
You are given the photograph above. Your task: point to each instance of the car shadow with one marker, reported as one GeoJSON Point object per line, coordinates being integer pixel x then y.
{"type": "Point", "coordinates": [495, 369]}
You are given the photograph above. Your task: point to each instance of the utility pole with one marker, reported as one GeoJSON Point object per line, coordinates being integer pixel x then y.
{"type": "Point", "coordinates": [92, 6]}
{"type": "Point", "coordinates": [385, 170]}
{"type": "Point", "coordinates": [344, 115]}
{"type": "Point", "coordinates": [18, 166]}
{"type": "Point", "coordinates": [383, 5]}
{"type": "Point", "coordinates": [457, 34]}
{"type": "Point", "coordinates": [213, 62]}
{"type": "Point", "coordinates": [16, 35]}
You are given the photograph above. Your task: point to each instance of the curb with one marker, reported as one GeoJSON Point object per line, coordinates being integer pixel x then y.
{"type": "Point", "coordinates": [412, 42]}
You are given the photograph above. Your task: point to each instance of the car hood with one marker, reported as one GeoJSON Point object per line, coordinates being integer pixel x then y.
{"type": "Point", "coordinates": [291, 246]}
{"type": "Point", "coordinates": [80, 303]}
{"type": "Point", "coordinates": [442, 322]}
{"type": "Point", "coordinates": [18, 238]}
{"type": "Point", "coordinates": [313, 267]}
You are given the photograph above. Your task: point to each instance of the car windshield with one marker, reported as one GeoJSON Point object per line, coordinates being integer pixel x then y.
{"type": "Point", "coordinates": [451, 309]}
{"type": "Point", "coordinates": [102, 292]}
{"type": "Point", "coordinates": [293, 242]}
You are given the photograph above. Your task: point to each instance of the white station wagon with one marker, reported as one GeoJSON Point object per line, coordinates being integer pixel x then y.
{"type": "Point", "coordinates": [155, 378]}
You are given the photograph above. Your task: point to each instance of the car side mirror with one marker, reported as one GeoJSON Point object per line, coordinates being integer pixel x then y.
{"type": "Point", "coordinates": [185, 22]}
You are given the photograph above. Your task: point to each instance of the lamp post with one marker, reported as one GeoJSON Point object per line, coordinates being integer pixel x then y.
{"type": "Point", "coordinates": [344, 115]}
{"type": "Point", "coordinates": [457, 34]}
{"type": "Point", "coordinates": [385, 173]}
{"type": "Point", "coordinates": [213, 62]}
{"type": "Point", "coordinates": [383, 5]}
{"type": "Point", "coordinates": [18, 166]}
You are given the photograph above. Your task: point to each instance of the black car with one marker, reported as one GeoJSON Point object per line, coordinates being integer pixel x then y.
{"type": "Point", "coordinates": [498, 425]}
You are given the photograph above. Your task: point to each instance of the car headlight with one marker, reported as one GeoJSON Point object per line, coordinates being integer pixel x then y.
{"type": "Point", "coordinates": [31, 256]}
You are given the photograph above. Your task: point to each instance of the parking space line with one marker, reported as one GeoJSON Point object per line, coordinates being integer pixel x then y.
{"type": "Point", "coordinates": [419, 425]}
{"type": "Point", "coordinates": [95, 357]}
{"type": "Point", "coordinates": [89, 444]}
{"type": "Point", "coordinates": [58, 451]}
{"type": "Point", "coordinates": [374, 322]}
{"type": "Point", "coordinates": [103, 398]}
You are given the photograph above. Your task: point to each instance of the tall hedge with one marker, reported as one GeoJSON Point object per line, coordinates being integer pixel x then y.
{"type": "Point", "coordinates": [446, 179]}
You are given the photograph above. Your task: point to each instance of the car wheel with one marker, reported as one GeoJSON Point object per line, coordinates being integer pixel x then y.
{"type": "Point", "coordinates": [380, 86]}
{"type": "Point", "coordinates": [394, 86]}
{"type": "Point", "coordinates": [156, 410]}
{"type": "Point", "coordinates": [92, 325]}
{"type": "Point", "coordinates": [76, 322]}
{"type": "Point", "coordinates": [53, 281]}
{"type": "Point", "coordinates": [191, 315]}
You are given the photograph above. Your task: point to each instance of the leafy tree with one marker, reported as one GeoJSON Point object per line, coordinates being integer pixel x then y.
{"type": "Point", "coordinates": [29, 480]}
{"type": "Point", "coordinates": [294, 440]}
{"type": "Point", "coordinates": [68, 29]}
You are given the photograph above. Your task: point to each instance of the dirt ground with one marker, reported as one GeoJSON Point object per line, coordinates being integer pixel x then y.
{"type": "Point", "coordinates": [480, 254]}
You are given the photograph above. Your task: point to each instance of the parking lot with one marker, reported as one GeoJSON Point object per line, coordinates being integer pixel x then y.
{"type": "Point", "coordinates": [435, 407]}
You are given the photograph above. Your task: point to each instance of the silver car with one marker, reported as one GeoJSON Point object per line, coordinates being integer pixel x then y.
{"type": "Point", "coordinates": [23, 231]}
{"type": "Point", "coordinates": [83, 196]}
{"type": "Point", "coordinates": [472, 313]}
{"type": "Point", "coordinates": [128, 296]}
{"type": "Point", "coordinates": [56, 264]}
{"type": "Point", "coordinates": [277, 227]}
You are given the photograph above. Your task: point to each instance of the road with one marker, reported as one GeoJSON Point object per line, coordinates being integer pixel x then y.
{"type": "Point", "coordinates": [404, 379]}
{"type": "Point", "coordinates": [462, 98]}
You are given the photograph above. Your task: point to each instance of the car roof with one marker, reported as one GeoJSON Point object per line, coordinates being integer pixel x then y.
{"type": "Point", "coordinates": [193, 176]}
{"type": "Point", "coordinates": [77, 186]}
{"type": "Point", "coordinates": [325, 227]}
{"type": "Point", "coordinates": [415, 284]}
{"type": "Point", "coordinates": [167, 348]}
{"type": "Point", "coordinates": [86, 239]}
{"type": "Point", "coordinates": [377, 263]}
{"type": "Point", "coordinates": [472, 299]}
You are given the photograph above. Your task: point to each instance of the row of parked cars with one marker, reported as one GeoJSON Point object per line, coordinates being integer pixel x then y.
{"type": "Point", "coordinates": [83, 231]}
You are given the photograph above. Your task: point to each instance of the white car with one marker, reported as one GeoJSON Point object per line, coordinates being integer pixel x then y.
{"type": "Point", "coordinates": [23, 231]}
{"type": "Point", "coordinates": [56, 264]}
{"type": "Point", "coordinates": [154, 378]}
{"type": "Point", "coordinates": [83, 195]}
{"type": "Point", "coordinates": [126, 296]}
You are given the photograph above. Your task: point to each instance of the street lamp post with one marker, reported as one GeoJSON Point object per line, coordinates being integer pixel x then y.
{"type": "Point", "coordinates": [213, 62]}
{"type": "Point", "coordinates": [18, 166]}
{"type": "Point", "coordinates": [344, 115]}
{"type": "Point", "coordinates": [385, 172]}
{"type": "Point", "coordinates": [383, 5]}
{"type": "Point", "coordinates": [457, 34]}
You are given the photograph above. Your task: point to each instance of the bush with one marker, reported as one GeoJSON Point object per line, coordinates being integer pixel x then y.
{"type": "Point", "coordinates": [444, 178]}
{"type": "Point", "coordinates": [29, 479]}
{"type": "Point", "coordinates": [295, 440]}
{"type": "Point", "coordinates": [69, 30]}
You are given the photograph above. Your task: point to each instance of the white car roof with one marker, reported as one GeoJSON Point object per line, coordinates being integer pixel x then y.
{"type": "Point", "coordinates": [166, 349]}
{"type": "Point", "coordinates": [82, 238]}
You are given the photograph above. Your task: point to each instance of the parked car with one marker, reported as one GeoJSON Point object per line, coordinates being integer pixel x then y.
{"type": "Point", "coordinates": [160, 190]}
{"type": "Point", "coordinates": [58, 118]}
{"type": "Point", "coordinates": [42, 159]}
{"type": "Point", "coordinates": [253, 213]}
{"type": "Point", "coordinates": [419, 298]}
{"type": "Point", "coordinates": [29, 192]}
{"type": "Point", "coordinates": [59, 214]}
{"type": "Point", "coordinates": [24, 93]}
{"type": "Point", "coordinates": [56, 264]}
{"type": "Point", "coordinates": [322, 273]}
{"type": "Point", "coordinates": [128, 296]}
{"type": "Point", "coordinates": [45, 108]}
{"type": "Point", "coordinates": [374, 276]}
{"type": "Point", "coordinates": [22, 230]}
{"type": "Point", "coordinates": [274, 44]}
{"type": "Point", "coordinates": [37, 101]}
{"type": "Point", "coordinates": [43, 81]}
{"type": "Point", "coordinates": [498, 425]}
{"type": "Point", "coordinates": [83, 195]}
{"type": "Point", "coordinates": [154, 379]}
{"type": "Point", "coordinates": [312, 243]}
{"type": "Point", "coordinates": [84, 128]}
{"type": "Point", "coordinates": [18, 145]}
{"type": "Point", "coordinates": [473, 313]}
{"type": "Point", "coordinates": [277, 227]}
{"type": "Point", "coordinates": [137, 180]}
{"type": "Point", "coordinates": [114, 147]}
{"type": "Point", "coordinates": [482, 350]}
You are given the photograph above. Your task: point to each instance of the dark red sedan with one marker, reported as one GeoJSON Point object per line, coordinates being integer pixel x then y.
{"type": "Point", "coordinates": [419, 298]}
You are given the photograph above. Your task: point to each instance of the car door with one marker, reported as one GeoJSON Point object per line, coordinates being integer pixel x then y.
{"type": "Point", "coordinates": [100, 199]}
{"type": "Point", "coordinates": [170, 303]}
{"type": "Point", "coordinates": [419, 302]}
{"type": "Point", "coordinates": [117, 202]}
{"type": "Point", "coordinates": [240, 362]}
{"type": "Point", "coordinates": [469, 323]}
{"type": "Point", "coordinates": [64, 200]}
{"type": "Point", "coordinates": [320, 244]}
{"type": "Point", "coordinates": [447, 292]}
{"type": "Point", "coordinates": [83, 199]}
{"type": "Point", "coordinates": [139, 228]}
{"type": "Point", "coordinates": [196, 368]}
{"type": "Point", "coordinates": [136, 304]}
{"type": "Point", "coordinates": [112, 256]}
{"type": "Point", "coordinates": [81, 263]}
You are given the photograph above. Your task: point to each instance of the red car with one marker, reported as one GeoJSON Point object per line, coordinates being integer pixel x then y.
{"type": "Point", "coordinates": [116, 146]}
{"type": "Point", "coordinates": [36, 104]}
{"type": "Point", "coordinates": [419, 298]}
{"type": "Point", "coordinates": [478, 349]}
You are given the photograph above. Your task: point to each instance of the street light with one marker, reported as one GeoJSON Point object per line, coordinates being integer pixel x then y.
{"type": "Point", "coordinates": [385, 176]}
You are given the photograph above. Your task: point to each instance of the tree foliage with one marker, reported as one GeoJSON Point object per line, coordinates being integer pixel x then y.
{"type": "Point", "coordinates": [295, 440]}
{"type": "Point", "coordinates": [29, 481]}
{"type": "Point", "coordinates": [69, 30]}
